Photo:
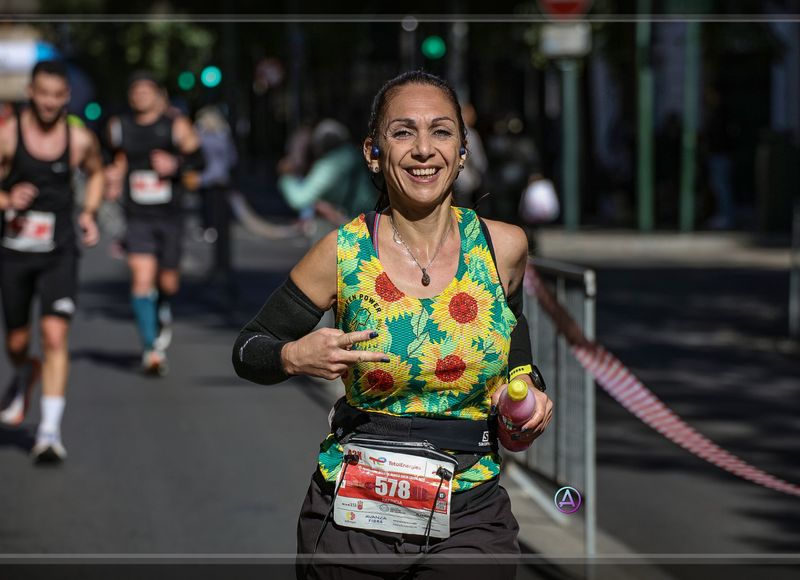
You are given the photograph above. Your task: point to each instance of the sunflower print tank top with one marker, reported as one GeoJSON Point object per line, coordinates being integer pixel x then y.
{"type": "Point", "coordinates": [447, 353]}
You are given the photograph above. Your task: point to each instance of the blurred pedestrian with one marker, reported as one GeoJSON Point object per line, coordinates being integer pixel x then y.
{"type": "Point", "coordinates": [428, 313]}
{"type": "Point", "coordinates": [298, 158]}
{"type": "Point", "coordinates": [515, 166]}
{"type": "Point", "coordinates": [467, 188]}
{"type": "Point", "coordinates": [39, 152]}
{"type": "Point", "coordinates": [336, 186]}
{"type": "Point", "coordinates": [219, 152]}
{"type": "Point", "coordinates": [153, 147]}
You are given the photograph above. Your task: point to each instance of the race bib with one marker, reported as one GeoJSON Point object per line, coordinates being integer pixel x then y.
{"type": "Point", "coordinates": [147, 188]}
{"type": "Point", "coordinates": [29, 231]}
{"type": "Point", "coordinates": [385, 489]}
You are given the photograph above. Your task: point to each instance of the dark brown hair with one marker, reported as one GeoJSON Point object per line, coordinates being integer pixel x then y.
{"type": "Point", "coordinates": [50, 67]}
{"type": "Point", "coordinates": [415, 77]}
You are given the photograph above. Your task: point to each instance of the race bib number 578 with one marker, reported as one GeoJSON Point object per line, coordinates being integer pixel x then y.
{"type": "Point", "coordinates": [393, 492]}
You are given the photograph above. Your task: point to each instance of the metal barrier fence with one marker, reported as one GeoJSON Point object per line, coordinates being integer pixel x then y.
{"type": "Point", "coordinates": [565, 453]}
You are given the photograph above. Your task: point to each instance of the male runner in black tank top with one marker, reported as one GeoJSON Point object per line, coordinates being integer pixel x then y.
{"type": "Point", "coordinates": [151, 150]}
{"type": "Point", "coordinates": [38, 246]}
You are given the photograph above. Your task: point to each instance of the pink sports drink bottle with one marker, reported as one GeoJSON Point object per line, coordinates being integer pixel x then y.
{"type": "Point", "coordinates": [515, 408]}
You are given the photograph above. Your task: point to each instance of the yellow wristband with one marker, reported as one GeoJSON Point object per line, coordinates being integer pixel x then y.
{"type": "Point", "coordinates": [521, 370]}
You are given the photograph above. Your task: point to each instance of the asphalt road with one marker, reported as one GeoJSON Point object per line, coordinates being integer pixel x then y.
{"type": "Point", "coordinates": [710, 342]}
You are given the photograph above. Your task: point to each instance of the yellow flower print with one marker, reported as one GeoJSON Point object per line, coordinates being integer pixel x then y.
{"type": "Point", "coordinates": [356, 226]}
{"type": "Point", "coordinates": [373, 280]}
{"type": "Point", "coordinates": [480, 264]}
{"type": "Point", "coordinates": [450, 366]}
{"type": "Point", "coordinates": [416, 405]}
{"type": "Point", "coordinates": [492, 385]}
{"type": "Point", "coordinates": [464, 308]}
{"type": "Point", "coordinates": [347, 251]}
{"type": "Point", "coordinates": [380, 380]}
{"type": "Point", "coordinates": [496, 343]}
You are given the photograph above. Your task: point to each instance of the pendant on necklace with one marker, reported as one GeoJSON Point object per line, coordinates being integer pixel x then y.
{"type": "Point", "coordinates": [425, 278]}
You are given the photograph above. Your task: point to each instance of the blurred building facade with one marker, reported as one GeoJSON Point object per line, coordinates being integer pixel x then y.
{"type": "Point", "coordinates": [278, 74]}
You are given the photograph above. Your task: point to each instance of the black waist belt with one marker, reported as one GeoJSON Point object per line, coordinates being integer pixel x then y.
{"type": "Point", "coordinates": [464, 435]}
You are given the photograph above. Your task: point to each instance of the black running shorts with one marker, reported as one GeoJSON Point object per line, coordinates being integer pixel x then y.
{"type": "Point", "coordinates": [481, 527]}
{"type": "Point", "coordinates": [160, 237]}
{"type": "Point", "coordinates": [52, 276]}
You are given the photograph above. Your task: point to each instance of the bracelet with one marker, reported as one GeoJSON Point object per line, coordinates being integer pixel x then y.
{"type": "Point", "coordinates": [533, 372]}
{"type": "Point", "coordinates": [520, 370]}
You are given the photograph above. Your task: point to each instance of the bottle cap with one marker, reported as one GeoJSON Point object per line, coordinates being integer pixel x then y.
{"type": "Point", "coordinates": [517, 390]}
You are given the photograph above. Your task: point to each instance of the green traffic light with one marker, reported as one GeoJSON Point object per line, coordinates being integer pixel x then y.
{"type": "Point", "coordinates": [186, 81]}
{"type": "Point", "coordinates": [433, 47]}
{"type": "Point", "coordinates": [211, 76]}
{"type": "Point", "coordinates": [93, 111]}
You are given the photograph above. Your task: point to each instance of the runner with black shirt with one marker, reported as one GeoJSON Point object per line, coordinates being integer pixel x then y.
{"type": "Point", "coordinates": [38, 252]}
{"type": "Point", "coordinates": [153, 147]}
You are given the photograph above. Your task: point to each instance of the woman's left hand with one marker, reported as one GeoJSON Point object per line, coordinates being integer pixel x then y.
{"type": "Point", "coordinates": [541, 415]}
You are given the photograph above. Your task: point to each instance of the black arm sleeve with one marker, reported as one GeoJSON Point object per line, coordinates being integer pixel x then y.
{"type": "Point", "coordinates": [287, 315]}
{"type": "Point", "coordinates": [520, 352]}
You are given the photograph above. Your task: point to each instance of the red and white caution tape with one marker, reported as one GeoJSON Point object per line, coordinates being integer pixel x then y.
{"type": "Point", "coordinates": [622, 385]}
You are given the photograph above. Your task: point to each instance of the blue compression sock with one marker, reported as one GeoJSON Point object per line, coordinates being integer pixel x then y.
{"type": "Point", "coordinates": [144, 308]}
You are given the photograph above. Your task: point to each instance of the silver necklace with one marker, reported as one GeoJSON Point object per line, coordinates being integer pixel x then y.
{"type": "Point", "coordinates": [398, 239]}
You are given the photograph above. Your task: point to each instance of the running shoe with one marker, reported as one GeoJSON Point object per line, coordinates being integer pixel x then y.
{"type": "Point", "coordinates": [17, 399]}
{"type": "Point", "coordinates": [48, 449]}
{"type": "Point", "coordinates": [154, 362]}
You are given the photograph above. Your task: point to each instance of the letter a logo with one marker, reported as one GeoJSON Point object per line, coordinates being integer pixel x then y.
{"type": "Point", "coordinates": [568, 500]}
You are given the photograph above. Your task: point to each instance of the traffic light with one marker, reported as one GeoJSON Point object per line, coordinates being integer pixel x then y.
{"type": "Point", "coordinates": [186, 80]}
{"type": "Point", "coordinates": [93, 111]}
{"type": "Point", "coordinates": [434, 47]}
{"type": "Point", "coordinates": [211, 77]}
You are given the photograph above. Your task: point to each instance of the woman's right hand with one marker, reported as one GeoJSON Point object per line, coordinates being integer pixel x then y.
{"type": "Point", "coordinates": [327, 353]}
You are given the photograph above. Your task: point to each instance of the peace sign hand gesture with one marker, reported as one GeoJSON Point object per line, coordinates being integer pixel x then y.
{"type": "Point", "coordinates": [327, 353]}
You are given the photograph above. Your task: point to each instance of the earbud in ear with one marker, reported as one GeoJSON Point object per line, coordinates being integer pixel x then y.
{"type": "Point", "coordinates": [462, 151]}
{"type": "Point", "coordinates": [375, 152]}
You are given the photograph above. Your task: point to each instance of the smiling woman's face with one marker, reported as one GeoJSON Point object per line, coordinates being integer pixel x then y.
{"type": "Point", "coordinates": [419, 141]}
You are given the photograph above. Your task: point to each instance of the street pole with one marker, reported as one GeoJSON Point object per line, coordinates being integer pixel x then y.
{"type": "Point", "coordinates": [570, 169]}
{"type": "Point", "coordinates": [689, 139]}
{"type": "Point", "coordinates": [644, 174]}
{"type": "Point", "coordinates": [408, 42]}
